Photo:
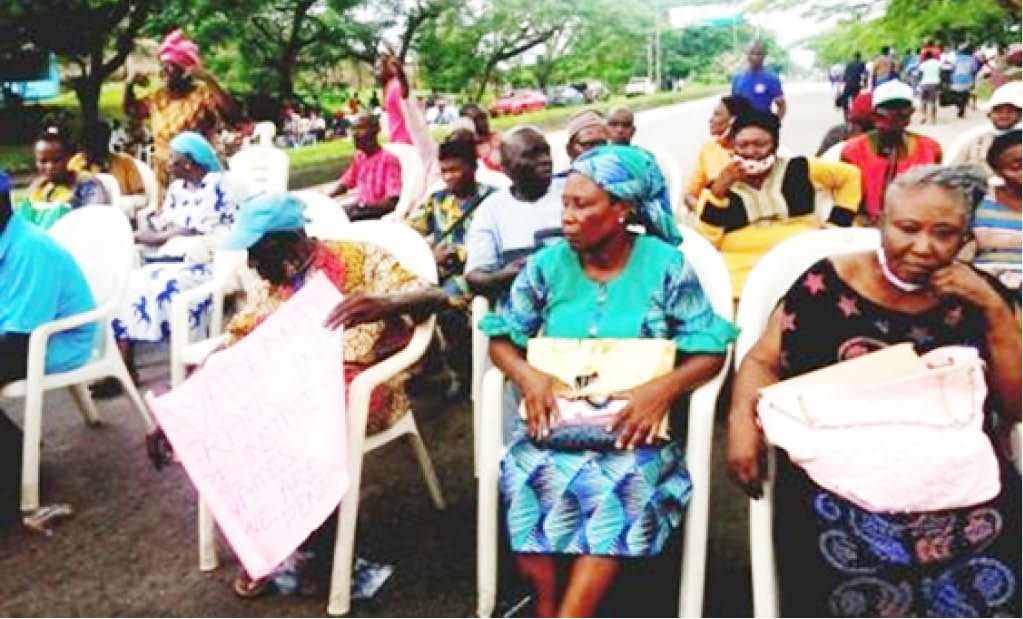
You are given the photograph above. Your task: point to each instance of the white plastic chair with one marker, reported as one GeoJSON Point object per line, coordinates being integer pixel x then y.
{"type": "Point", "coordinates": [263, 133]}
{"type": "Point", "coordinates": [413, 179]}
{"type": "Point", "coordinates": [713, 274]}
{"type": "Point", "coordinates": [100, 239]}
{"type": "Point", "coordinates": [672, 171]}
{"type": "Point", "coordinates": [486, 176]}
{"type": "Point", "coordinates": [769, 280]}
{"type": "Point", "coordinates": [414, 254]}
{"type": "Point", "coordinates": [263, 168]}
{"type": "Point", "coordinates": [149, 182]}
{"type": "Point", "coordinates": [324, 213]}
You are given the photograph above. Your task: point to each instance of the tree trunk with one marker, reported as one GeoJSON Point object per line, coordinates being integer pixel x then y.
{"type": "Point", "coordinates": [87, 89]}
{"type": "Point", "coordinates": [485, 79]}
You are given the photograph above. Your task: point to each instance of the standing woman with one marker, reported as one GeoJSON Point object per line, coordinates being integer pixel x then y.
{"type": "Point", "coordinates": [406, 123]}
{"type": "Point", "coordinates": [190, 99]}
{"type": "Point", "coordinates": [573, 516]}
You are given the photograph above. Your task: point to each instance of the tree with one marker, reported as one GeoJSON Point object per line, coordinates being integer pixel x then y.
{"type": "Point", "coordinates": [96, 35]}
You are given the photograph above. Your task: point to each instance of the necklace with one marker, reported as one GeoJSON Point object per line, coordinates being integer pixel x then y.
{"type": "Point", "coordinates": [892, 278]}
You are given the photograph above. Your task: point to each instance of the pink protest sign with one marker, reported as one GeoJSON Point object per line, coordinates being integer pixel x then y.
{"type": "Point", "coordinates": [260, 429]}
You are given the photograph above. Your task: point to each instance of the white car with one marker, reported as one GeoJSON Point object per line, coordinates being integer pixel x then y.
{"type": "Point", "coordinates": [640, 86]}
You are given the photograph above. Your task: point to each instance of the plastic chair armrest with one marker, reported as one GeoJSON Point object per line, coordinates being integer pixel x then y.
{"type": "Point", "coordinates": [365, 382]}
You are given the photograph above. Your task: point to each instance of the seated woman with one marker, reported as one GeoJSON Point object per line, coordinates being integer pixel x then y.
{"type": "Point", "coordinates": [761, 198]}
{"type": "Point", "coordinates": [96, 157]}
{"type": "Point", "coordinates": [998, 224]}
{"type": "Point", "coordinates": [716, 153]}
{"type": "Point", "coordinates": [838, 559]}
{"type": "Point", "coordinates": [177, 245]}
{"type": "Point", "coordinates": [379, 294]}
{"type": "Point", "coordinates": [56, 190]}
{"type": "Point", "coordinates": [602, 281]}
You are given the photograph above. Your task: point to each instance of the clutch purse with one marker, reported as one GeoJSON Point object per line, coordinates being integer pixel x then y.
{"type": "Point", "coordinates": [890, 431]}
{"type": "Point", "coordinates": [588, 372]}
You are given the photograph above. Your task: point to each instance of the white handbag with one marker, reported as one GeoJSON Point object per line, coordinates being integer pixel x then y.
{"type": "Point", "coordinates": [890, 431]}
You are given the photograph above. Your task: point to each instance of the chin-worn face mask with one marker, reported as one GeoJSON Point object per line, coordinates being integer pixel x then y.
{"type": "Point", "coordinates": [753, 167]}
{"type": "Point", "coordinates": [892, 278]}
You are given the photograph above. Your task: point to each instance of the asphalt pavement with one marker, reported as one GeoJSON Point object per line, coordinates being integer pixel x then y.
{"type": "Point", "coordinates": [131, 548]}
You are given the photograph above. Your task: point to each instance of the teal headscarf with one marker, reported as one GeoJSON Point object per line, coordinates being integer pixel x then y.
{"type": "Point", "coordinates": [197, 148]}
{"type": "Point", "coordinates": [632, 175]}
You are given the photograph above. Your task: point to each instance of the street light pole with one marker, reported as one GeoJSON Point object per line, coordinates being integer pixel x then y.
{"type": "Point", "coordinates": [657, 44]}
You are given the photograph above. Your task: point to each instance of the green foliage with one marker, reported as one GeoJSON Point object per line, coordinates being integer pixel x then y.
{"type": "Point", "coordinates": [715, 52]}
{"type": "Point", "coordinates": [911, 23]}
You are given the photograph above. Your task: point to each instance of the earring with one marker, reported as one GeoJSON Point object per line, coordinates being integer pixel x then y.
{"type": "Point", "coordinates": [621, 220]}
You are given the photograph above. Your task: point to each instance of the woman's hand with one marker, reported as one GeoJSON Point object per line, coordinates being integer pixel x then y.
{"type": "Point", "coordinates": [728, 177]}
{"type": "Point", "coordinates": [640, 419]}
{"type": "Point", "coordinates": [541, 407]}
{"type": "Point", "coordinates": [747, 454]}
{"type": "Point", "coordinates": [442, 253]}
{"type": "Point", "coordinates": [361, 308]}
{"type": "Point", "coordinates": [961, 281]}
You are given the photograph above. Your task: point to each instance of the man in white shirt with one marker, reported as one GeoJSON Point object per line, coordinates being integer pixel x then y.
{"type": "Point", "coordinates": [512, 223]}
{"type": "Point", "coordinates": [1004, 110]}
{"type": "Point", "coordinates": [930, 82]}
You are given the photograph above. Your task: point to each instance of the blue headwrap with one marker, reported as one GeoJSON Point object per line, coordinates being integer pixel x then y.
{"type": "Point", "coordinates": [632, 175]}
{"type": "Point", "coordinates": [197, 149]}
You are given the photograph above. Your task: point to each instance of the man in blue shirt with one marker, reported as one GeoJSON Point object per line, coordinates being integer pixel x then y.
{"type": "Point", "coordinates": [759, 85]}
{"type": "Point", "coordinates": [39, 282]}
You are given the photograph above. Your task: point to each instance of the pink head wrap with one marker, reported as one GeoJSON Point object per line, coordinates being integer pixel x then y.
{"type": "Point", "coordinates": [178, 50]}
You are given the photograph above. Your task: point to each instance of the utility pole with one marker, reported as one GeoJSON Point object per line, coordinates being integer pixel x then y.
{"type": "Point", "coordinates": [657, 44]}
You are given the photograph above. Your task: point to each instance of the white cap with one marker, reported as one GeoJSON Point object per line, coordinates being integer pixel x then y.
{"type": "Point", "coordinates": [1011, 93]}
{"type": "Point", "coordinates": [892, 90]}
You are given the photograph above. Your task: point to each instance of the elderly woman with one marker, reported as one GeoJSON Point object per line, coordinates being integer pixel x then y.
{"type": "Point", "coordinates": [839, 559]}
{"type": "Point", "coordinates": [602, 281]}
{"type": "Point", "coordinates": [56, 189]}
{"type": "Point", "coordinates": [716, 153]}
{"type": "Point", "coordinates": [177, 242]}
{"type": "Point", "coordinates": [190, 99]}
{"type": "Point", "coordinates": [379, 294]}
{"type": "Point", "coordinates": [762, 197]}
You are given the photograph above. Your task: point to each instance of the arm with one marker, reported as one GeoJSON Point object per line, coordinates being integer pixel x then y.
{"type": "Point", "coordinates": [746, 446]}
{"type": "Point", "coordinates": [371, 211]}
{"type": "Point", "coordinates": [360, 308]}
{"type": "Point", "coordinates": [842, 181]}
{"type": "Point", "coordinates": [537, 387]}
{"type": "Point", "coordinates": [225, 104]}
{"type": "Point", "coordinates": [781, 106]}
{"type": "Point", "coordinates": [706, 223]}
{"type": "Point", "coordinates": [1002, 336]}
{"type": "Point", "coordinates": [697, 181]}
{"type": "Point", "coordinates": [494, 283]}
{"type": "Point", "coordinates": [132, 106]}
{"type": "Point", "coordinates": [157, 238]}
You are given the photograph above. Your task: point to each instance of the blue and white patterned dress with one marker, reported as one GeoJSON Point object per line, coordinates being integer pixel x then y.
{"type": "Point", "coordinates": [618, 503]}
{"type": "Point", "coordinates": [206, 208]}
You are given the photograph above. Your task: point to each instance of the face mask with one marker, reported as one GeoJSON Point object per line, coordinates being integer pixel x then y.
{"type": "Point", "coordinates": [753, 167]}
{"type": "Point", "coordinates": [892, 278]}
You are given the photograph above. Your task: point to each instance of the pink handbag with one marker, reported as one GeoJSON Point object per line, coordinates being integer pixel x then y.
{"type": "Point", "coordinates": [912, 441]}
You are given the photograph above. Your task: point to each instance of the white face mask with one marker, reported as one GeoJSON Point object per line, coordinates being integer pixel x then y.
{"type": "Point", "coordinates": [892, 278]}
{"type": "Point", "coordinates": [753, 167]}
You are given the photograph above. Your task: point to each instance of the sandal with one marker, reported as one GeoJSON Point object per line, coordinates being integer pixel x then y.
{"type": "Point", "coordinates": [249, 589]}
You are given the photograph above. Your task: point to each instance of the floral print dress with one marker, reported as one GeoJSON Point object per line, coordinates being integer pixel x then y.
{"type": "Point", "coordinates": [837, 559]}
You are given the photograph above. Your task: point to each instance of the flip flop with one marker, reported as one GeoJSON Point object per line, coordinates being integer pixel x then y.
{"type": "Point", "coordinates": [248, 589]}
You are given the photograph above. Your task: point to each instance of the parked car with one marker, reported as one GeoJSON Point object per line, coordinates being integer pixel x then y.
{"type": "Point", "coordinates": [593, 90]}
{"type": "Point", "coordinates": [640, 86]}
{"type": "Point", "coordinates": [565, 95]}
{"type": "Point", "coordinates": [519, 101]}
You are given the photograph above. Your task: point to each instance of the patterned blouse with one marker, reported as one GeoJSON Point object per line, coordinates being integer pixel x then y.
{"type": "Point", "coordinates": [169, 116]}
{"type": "Point", "coordinates": [352, 267]}
{"type": "Point", "coordinates": [433, 219]}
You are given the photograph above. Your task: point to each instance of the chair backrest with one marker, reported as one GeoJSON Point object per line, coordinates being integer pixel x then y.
{"type": "Point", "coordinates": [149, 181]}
{"type": "Point", "coordinates": [324, 215]}
{"type": "Point", "coordinates": [112, 187]}
{"type": "Point", "coordinates": [100, 239]}
{"type": "Point", "coordinates": [710, 269]}
{"type": "Point", "coordinates": [486, 176]}
{"type": "Point", "coordinates": [263, 168]}
{"type": "Point", "coordinates": [413, 177]}
{"type": "Point", "coordinates": [263, 133]}
{"type": "Point", "coordinates": [405, 244]}
{"type": "Point", "coordinates": [672, 171]}
{"type": "Point", "coordinates": [773, 275]}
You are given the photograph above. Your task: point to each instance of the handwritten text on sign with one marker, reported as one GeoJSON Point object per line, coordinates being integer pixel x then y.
{"type": "Point", "coordinates": [260, 429]}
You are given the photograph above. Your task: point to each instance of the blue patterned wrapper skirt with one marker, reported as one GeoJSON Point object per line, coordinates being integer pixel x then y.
{"type": "Point", "coordinates": [613, 503]}
{"type": "Point", "coordinates": [836, 559]}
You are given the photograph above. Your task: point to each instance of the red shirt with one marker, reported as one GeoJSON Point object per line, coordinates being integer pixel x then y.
{"type": "Point", "coordinates": [376, 177]}
{"type": "Point", "coordinates": [863, 152]}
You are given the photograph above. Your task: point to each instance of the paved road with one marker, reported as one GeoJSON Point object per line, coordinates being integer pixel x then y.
{"type": "Point", "coordinates": [131, 548]}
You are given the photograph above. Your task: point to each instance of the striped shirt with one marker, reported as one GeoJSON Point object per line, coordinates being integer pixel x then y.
{"type": "Point", "coordinates": [999, 233]}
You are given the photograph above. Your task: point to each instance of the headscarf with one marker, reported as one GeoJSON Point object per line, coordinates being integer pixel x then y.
{"type": "Point", "coordinates": [632, 175]}
{"type": "Point", "coordinates": [176, 49]}
{"type": "Point", "coordinates": [197, 149]}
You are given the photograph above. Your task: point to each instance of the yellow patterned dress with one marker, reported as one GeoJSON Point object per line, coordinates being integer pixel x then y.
{"type": "Point", "coordinates": [169, 116]}
{"type": "Point", "coordinates": [352, 267]}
